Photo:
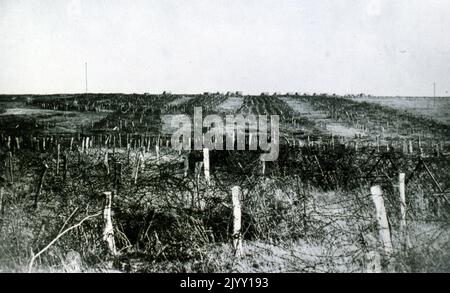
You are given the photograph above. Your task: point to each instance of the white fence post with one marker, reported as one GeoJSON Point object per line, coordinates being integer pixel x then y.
{"type": "Point", "coordinates": [383, 225]}
{"type": "Point", "coordinates": [157, 153]}
{"type": "Point", "coordinates": [10, 166]}
{"type": "Point", "coordinates": [139, 161]}
{"type": "Point", "coordinates": [1, 202]}
{"type": "Point", "coordinates": [186, 165]}
{"type": "Point", "coordinates": [108, 231]}
{"type": "Point", "coordinates": [82, 145]}
{"type": "Point", "coordinates": [401, 188]}
{"type": "Point", "coordinates": [206, 164]}
{"type": "Point", "coordinates": [106, 163]}
{"type": "Point", "coordinates": [58, 154]}
{"type": "Point", "coordinates": [403, 228]}
{"type": "Point", "coordinates": [237, 235]}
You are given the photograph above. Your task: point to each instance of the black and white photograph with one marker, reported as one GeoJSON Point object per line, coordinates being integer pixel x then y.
{"type": "Point", "coordinates": [224, 136]}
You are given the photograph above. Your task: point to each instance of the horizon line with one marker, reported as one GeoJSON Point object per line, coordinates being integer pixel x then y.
{"type": "Point", "coordinates": [230, 93]}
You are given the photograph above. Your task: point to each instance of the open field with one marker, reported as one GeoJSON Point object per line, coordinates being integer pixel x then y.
{"type": "Point", "coordinates": [54, 122]}
{"type": "Point", "coordinates": [231, 105]}
{"type": "Point", "coordinates": [438, 109]}
{"type": "Point", "coordinates": [322, 119]}
{"type": "Point", "coordinates": [50, 123]}
{"type": "Point", "coordinates": [313, 210]}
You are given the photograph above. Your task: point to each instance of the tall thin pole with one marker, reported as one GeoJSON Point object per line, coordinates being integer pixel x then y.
{"type": "Point", "coordinates": [85, 71]}
{"type": "Point", "coordinates": [434, 94]}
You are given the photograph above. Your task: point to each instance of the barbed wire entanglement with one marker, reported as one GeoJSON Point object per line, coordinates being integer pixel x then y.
{"type": "Point", "coordinates": [316, 208]}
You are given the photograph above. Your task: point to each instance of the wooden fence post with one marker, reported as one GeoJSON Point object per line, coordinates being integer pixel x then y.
{"type": "Point", "coordinates": [114, 144]}
{"type": "Point", "coordinates": [108, 230]}
{"type": "Point", "coordinates": [18, 143]}
{"type": "Point", "coordinates": [206, 164]}
{"type": "Point", "coordinates": [65, 166]}
{"type": "Point", "coordinates": [157, 153]}
{"type": "Point", "coordinates": [149, 141]}
{"type": "Point", "coordinates": [383, 225]}
{"type": "Point", "coordinates": [198, 171]}
{"type": "Point", "coordinates": [41, 183]}
{"type": "Point", "coordinates": [138, 164]}
{"type": "Point", "coordinates": [10, 166]}
{"type": "Point", "coordinates": [36, 143]}
{"type": "Point", "coordinates": [82, 145]}
{"type": "Point", "coordinates": [405, 148]}
{"type": "Point", "coordinates": [237, 235]}
{"type": "Point", "coordinates": [1, 205]}
{"type": "Point", "coordinates": [401, 188]}
{"type": "Point", "coordinates": [106, 163]}
{"type": "Point", "coordinates": [403, 228]}
{"type": "Point", "coordinates": [186, 165]}
{"type": "Point", "coordinates": [58, 153]}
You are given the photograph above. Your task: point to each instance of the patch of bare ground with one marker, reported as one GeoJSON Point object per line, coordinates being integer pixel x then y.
{"type": "Point", "coordinates": [55, 122]}
{"type": "Point", "coordinates": [230, 105]}
{"type": "Point", "coordinates": [323, 122]}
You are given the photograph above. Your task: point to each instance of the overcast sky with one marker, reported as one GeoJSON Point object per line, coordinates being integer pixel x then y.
{"type": "Point", "coordinates": [380, 47]}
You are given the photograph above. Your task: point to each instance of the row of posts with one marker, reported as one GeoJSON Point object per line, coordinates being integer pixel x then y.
{"type": "Point", "coordinates": [85, 142]}
{"type": "Point", "coordinates": [409, 147]}
{"type": "Point", "coordinates": [374, 258]}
